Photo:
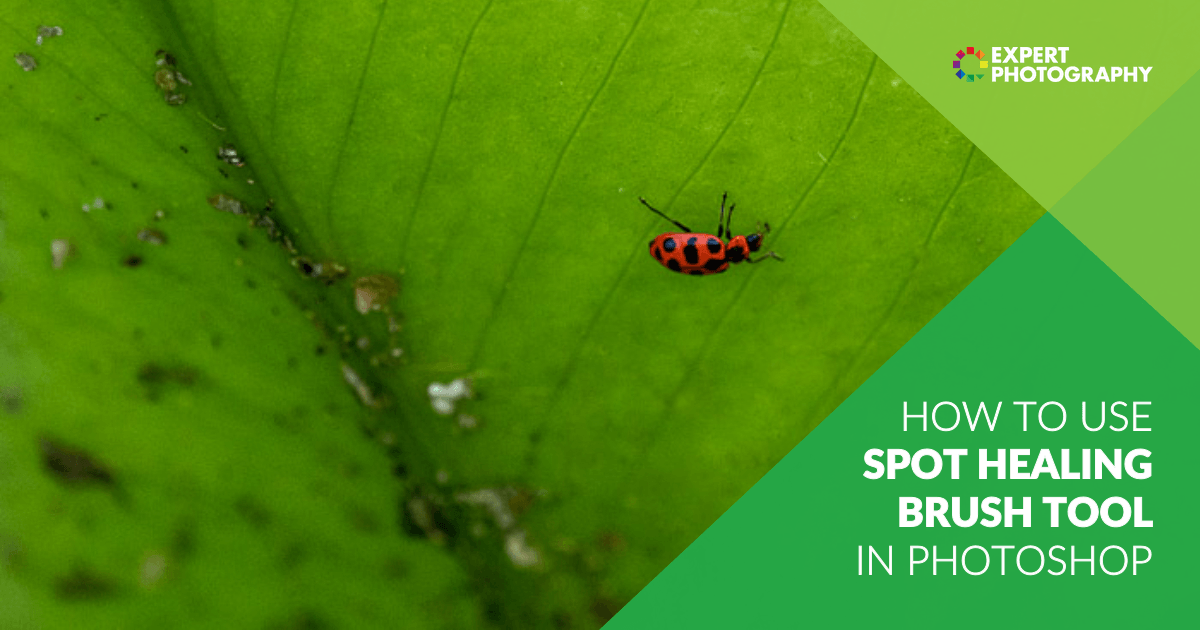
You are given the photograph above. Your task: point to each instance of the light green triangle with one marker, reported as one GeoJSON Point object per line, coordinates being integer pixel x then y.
{"type": "Point", "coordinates": [1139, 210]}
{"type": "Point", "coordinates": [1046, 136]}
{"type": "Point", "coordinates": [1046, 322]}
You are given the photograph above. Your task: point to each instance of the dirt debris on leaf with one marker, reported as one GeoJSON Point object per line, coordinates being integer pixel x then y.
{"type": "Point", "coordinates": [372, 293]}
{"type": "Point", "coordinates": [26, 61]}
{"type": "Point", "coordinates": [226, 203]}
{"type": "Point", "coordinates": [46, 32]}
{"type": "Point", "coordinates": [328, 271]}
{"type": "Point", "coordinates": [154, 237]}
{"type": "Point", "coordinates": [499, 503]}
{"type": "Point", "coordinates": [228, 154]}
{"type": "Point", "coordinates": [168, 78]}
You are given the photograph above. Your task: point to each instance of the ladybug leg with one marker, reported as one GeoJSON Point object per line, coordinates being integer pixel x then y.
{"type": "Point", "coordinates": [728, 220]}
{"type": "Point", "coordinates": [652, 209]}
{"type": "Point", "coordinates": [721, 218]}
{"type": "Point", "coordinates": [764, 257]}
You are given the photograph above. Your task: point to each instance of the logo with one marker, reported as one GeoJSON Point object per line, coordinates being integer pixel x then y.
{"type": "Point", "coordinates": [1039, 64]}
{"type": "Point", "coordinates": [970, 66]}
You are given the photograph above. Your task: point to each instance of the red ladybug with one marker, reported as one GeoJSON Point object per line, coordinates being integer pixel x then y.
{"type": "Point", "coordinates": [703, 254]}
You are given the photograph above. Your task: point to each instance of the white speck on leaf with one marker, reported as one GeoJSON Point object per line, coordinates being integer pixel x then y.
{"type": "Point", "coordinates": [354, 380]}
{"type": "Point", "coordinates": [521, 554]}
{"type": "Point", "coordinates": [443, 396]}
{"type": "Point", "coordinates": [60, 249]}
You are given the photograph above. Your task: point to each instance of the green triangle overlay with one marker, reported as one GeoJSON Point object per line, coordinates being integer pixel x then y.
{"type": "Point", "coordinates": [1047, 321]}
{"type": "Point", "coordinates": [1138, 210]}
{"type": "Point", "coordinates": [1046, 136]}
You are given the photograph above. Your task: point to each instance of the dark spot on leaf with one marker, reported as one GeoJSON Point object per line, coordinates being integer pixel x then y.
{"type": "Point", "coordinates": [604, 609]}
{"type": "Point", "coordinates": [132, 261]}
{"type": "Point", "coordinates": [673, 264]}
{"type": "Point", "coordinates": [45, 214]}
{"type": "Point", "coordinates": [72, 465]}
{"type": "Point", "coordinates": [242, 242]}
{"type": "Point", "coordinates": [301, 620]}
{"type": "Point", "coordinates": [254, 512]}
{"type": "Point", "coordinates": [222, 172]}
{"type": "Point", "coordinates": [216, 341]}
{"type": "Point", "coordinates": [292, 556]}
{"type": "Point", "coordinates": [183, 148]}
{"type": "Point", "coordinates": [400, 470]}
{"type": "Point", "coordinates": [183, 541]}
{"type": "Point", "coordinates": [669, 245]}
{"type": "Point", "coordinates": [82, 583]}
{"type": "Point", "coordinates": [714, 245]}
{"type": "Point", "coordinates": [12, 555]}
{"type": "Point", "coordinates": [250, 284]}
{"type": "Point", "coordinates": [320, 350]}
{"type": "Point", "coordinates": [157, 378]}
{"type": "Point", "coordinates": [11, 399]}
{"type": "Point", "coordinates": [535, 437]}
{"type": "Point", "coordinates": [611, 541]}
{"type": "Point", "coordinates": [396, 569]}
{"type": "Point", "coordinates": [362, 519]}
{"type": "Point", "coordinates": [134, 184]}
{"type": "Point", "coordinates": [494, 612]}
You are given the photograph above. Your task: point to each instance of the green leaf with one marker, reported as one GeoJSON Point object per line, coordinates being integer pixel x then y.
{"type": "Point", "coordinates": [180, 445]}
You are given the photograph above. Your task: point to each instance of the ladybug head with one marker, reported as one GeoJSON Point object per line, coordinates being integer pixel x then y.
{"type": "Point", "coordinates": [755, 241]}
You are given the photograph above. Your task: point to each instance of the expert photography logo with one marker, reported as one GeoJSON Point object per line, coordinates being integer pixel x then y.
{"type": "Point", "coordinates": [1037, 64]}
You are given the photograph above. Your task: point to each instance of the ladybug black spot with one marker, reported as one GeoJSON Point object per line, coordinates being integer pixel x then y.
{"type": "Point", "coordinates": [696, 272]}
{"type": "Point", "coordinates": [658, 254]}
{"type": "Point", "coordinates": [690, 253]}
{"type": "Point", "coordinates": [673, 264]}
{"type": "Point", "coordinates": [714, 245]}
{"type": "Point", "coordinates": [669, 245]}
{"type": "Point", "coordinates": [735, 254]}
{"type": "Point", "coordinates": [713, 264]}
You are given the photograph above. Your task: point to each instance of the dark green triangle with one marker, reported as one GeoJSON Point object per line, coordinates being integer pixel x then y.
{"type": "Point", "coordinates": [1047, 321]}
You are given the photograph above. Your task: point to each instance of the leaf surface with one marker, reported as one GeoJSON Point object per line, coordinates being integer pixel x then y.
{"type": "Point", "coordinates": [489, 156]}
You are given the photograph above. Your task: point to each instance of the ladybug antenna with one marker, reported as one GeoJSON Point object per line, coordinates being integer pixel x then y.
{"type": "Point", "coordinates": [655, 211]}
{"type": "Point", "coordinates": [722, 223]}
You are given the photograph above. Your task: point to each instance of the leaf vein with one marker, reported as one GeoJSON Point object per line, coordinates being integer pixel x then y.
{"type": "Point", "coordinates": [337, 165]}
{"type": "Point", "coordinates": [550, 183]}
{"type": "Point", "coordinates": [437, 138]}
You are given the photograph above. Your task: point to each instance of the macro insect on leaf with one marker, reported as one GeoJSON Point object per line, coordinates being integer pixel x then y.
{"type": "Point", "coordinates": [700, 254]}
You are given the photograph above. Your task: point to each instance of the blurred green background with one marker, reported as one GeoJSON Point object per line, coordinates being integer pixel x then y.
{"type": "Point", "coordinates": [180, 445]}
